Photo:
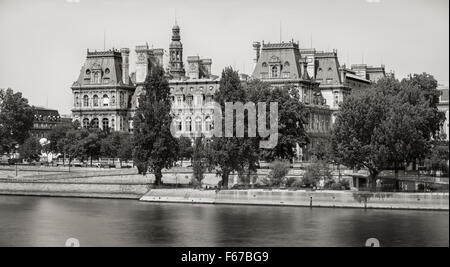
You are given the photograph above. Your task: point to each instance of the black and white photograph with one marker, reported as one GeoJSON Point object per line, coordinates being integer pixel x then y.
{"type": "Point", "coordinates": [224, 129]}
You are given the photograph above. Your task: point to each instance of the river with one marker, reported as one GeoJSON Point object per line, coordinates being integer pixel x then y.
{"type": "Point", "coordinates": [43, 221]}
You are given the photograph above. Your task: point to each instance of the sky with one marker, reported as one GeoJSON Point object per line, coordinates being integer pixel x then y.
{"type": "Point", "coordinates": [43, 42]}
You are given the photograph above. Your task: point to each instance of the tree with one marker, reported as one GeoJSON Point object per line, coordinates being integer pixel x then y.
{"type": "Point", "coordinates": [30, 150]}
{"type": "Point", "coordinates": [231, 154]}
{"type": "Point", "coordinates": [384, 127]}
{"type": "Point", "coordinates": [291, 118]}
{"type": "Point", "coordinates": [155, 147]}
{"type": "Point", "coordinates": [315, 172]}
{"type": "Point", "coordinates": [125, 151]}
{"type": "Point", "coordinates": [92, 145]}
{"type": "Point", "coordinates": [110, 145]}
{"type": "Point", "coordinates": [73, 144]}
{"type": "Point", "coordinates": [437, 159]}
{"type": "Point", "coordinates": [278, 171]}
{"type": "Point", "coordinates": [56, 137]}
{"type": "Point", "coordinates": [16, 119]}
{"type": "Point", "coordinates": [199, 165]}
{"type": "Point", "coordinates": [186, 149]}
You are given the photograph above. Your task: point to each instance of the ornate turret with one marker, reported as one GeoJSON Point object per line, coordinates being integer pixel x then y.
{"type": "Point", "coordinates": [176, 54]}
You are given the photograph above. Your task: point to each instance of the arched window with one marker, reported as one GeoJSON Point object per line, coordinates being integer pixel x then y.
{"type": "Point", "coordinates": [94, 123]}
{"type": "Point", "coordinates": [188, 124]}
{"type": "Point", "coordinates": [85, 123]}
{"type": "Point", "coordinates": [274, 72]}
{"type": "Point", "coordinates": [198, 124]}
{"type": "Point", "coordinates": [113, 124]}
{"type": "Point", "coordinates": [77, 101]}
{"type": "Point", "coordinates": [86, 101]}
{"type": "Point", "coordinates": [113, 100]}
{"type": "Point", "coordinates": [105, 124]}
{"type": "Point", "coordinates": [208, 124]}
{"type": "Point", "coordinates": [264, 65]}
{"type": "Point", "coordinates": [105, 100]}
{"type": "Point", "coordinates": [95, 100]}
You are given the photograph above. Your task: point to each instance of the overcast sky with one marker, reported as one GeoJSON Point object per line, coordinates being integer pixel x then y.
{"type": "Point", "coordinates": [43, 42]}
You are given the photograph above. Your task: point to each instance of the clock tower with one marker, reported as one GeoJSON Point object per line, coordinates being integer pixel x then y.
{"type": "Point", "coordinates": [176, 54]}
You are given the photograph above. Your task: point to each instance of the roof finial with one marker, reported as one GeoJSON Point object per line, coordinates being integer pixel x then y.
{"type": "Point", "coordinates": [176, 20]}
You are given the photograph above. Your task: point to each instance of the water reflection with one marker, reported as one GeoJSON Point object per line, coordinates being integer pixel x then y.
{"type": "Point", "coordinates": [35, 221]}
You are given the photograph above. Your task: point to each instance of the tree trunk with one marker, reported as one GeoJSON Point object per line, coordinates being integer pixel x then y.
{"type": "Point", "coordinates": [158, 177]}
{"type": "Point", "coordinates": [373, 179]}
{"type": "Point", "coordinates": [225, 178]}
{"type": "Point", "coordinates": [396, 175]}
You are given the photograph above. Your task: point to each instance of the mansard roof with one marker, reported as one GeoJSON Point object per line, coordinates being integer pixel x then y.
{"type": "Point", "coordinates": [285, 54]}
{"type": "Point", "coordinates": [327, 67]}
{"type": "Point", "coordinates": [107, 63]}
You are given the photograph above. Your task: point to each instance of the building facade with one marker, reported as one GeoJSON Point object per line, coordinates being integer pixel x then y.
{"type": "Point", "coordinates": [106, 95]}
{"type": "Point", "coordinates": [191, 90]}
{"type": "Point", "coordinates": [44, 121]}
{"type": "Point", "coordinates": [282, 64]}
{"type": "Point", "coordinates": [103, 91]}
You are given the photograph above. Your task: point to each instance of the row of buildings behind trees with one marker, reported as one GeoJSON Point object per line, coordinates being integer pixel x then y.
{"type": "Point", "coordinates": [107, 97]}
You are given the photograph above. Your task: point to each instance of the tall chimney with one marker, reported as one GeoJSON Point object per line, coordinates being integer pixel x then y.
{"type": "Point", "coordinates": [206, 64]}
{"type": "Point", "coordinates": [158, 54]}
{"type": "Point", "coordinates": [257, 48]}
{"type": "Point", "coordinates": [125, 52]}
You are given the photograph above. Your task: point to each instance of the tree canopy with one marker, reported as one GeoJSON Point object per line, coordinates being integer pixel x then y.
{"type": "Point", "coordinates": [16, 119]}
{"type": "Point", "coordinates": [387, 125]}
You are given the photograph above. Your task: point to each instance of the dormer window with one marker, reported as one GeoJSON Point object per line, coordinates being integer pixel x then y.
{"type": "Point", "coordinates": [107, 71]}
{"type": "Point", "coordinates": [275, 72]}
{"type": "Point", "coordinates": [88, 72]}
{"type": "Point", "coordinates": [264, 65]}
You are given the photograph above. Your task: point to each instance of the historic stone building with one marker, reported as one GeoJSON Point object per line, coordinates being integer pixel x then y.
{"type": "Point", "coordinates": [321, 80]}
{"type": "Point", "coordinates": [281, 64]}
{"type": "Point", "coordinates": [106, 95]}
{"type": "Point", "coordinates": [103, 91]}
{"type": "Point", "coordinates": [191, 89]}
{"type": "Point", "coordinates": [44, 121]}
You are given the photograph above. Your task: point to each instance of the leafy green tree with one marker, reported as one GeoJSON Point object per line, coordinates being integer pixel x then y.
{"type": "Point", "coordinates": [199, 164]}
{"type": "Point", "coordinates": [16, 119]}
{"type": "Point", "coordinates": [56, 137]}
{"type": "Point", "coordinates": [92, 145]}
{"type": "Point", "coordinates": [110, 145]}
{"type": "Point", "coordinates": [278, 171]}
{"type": "Point", "coordinates": [231, 154]}
{"type": "Point", "coordinates": [316, 171]}
{"type": "Point", "coordinates": [74, 146]}
{"type": "Point", "coordinates": [438, 157]}
{"type": "Point", "coordinates": [186, 149]}
{"type": "Point", "coordinates": [30, 150]}
{"type": "Point", "coordinates": [291, 118]}
{"type": "Point", "coordinates": [155, 147]}
{"type": "Point", "coordinates": [125, 151]}
{"type": "Point", "coordinates": [388, 125]}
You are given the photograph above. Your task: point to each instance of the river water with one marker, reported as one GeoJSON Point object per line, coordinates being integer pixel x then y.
{"type": "Point", "coordinates": [43, 221]}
